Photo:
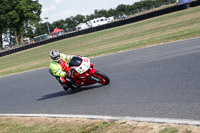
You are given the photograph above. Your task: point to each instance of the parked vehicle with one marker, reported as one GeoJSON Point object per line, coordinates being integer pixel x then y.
{"type": "Point", "coordinates": [98, 21]}
{"type": "Point", "coordinates": [94, 22]}
{"type": "Point", "coordinates": [82, 26]}
{"type": "Point", "coordinates": [40, 38]}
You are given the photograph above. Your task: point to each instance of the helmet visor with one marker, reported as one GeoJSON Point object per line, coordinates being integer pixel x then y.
{"type": "Point", "coordinates": [57, 58]}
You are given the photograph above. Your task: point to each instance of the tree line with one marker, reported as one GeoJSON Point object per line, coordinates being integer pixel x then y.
{"type": "Point", "coordinates": [21, 18]}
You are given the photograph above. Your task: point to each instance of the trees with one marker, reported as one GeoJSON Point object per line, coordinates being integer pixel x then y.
{"type": "Point", "coordinates": [69, 22]}
{"type": "Point", "coordinates": [58, 24]}
{"type": "Point", "coordinates": [40, 28]}
{"type": "Point", "coordinates": [100, 13]}
{"type": "Point", "coordinates": [16, 15]}
{"type": "Point", "coordinates": [79, 18]}
{"type": "Point", "coordinates": [25, 12]}
{"type": "Point", "coordinates": [121, 9]}
{"type": "Point", "coordinates": [4, 8]}
{"type": "Point", "coordinates": [111, 12]}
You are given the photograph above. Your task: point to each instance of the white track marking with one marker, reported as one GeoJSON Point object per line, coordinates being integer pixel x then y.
{"type": "Point", "coordinates": [138, 119]}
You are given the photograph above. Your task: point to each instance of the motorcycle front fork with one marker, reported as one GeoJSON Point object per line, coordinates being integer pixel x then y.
{"type": "Point", "coordinates": [95, 79]}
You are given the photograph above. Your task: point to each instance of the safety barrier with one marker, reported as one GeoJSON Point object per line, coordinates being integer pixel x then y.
{"type": "Point", "coordinates": [106, 26]}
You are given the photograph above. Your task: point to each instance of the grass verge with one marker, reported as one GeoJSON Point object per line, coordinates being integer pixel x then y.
{"type": "Point", "coordinates": [77, 125]}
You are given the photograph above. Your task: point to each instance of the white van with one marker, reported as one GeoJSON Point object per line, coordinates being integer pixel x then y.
{"type": "Point", "coordinates": [98, 21]}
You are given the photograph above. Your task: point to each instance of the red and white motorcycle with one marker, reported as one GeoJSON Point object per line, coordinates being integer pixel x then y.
{"type": "Point", "coordinates": [83, 73]}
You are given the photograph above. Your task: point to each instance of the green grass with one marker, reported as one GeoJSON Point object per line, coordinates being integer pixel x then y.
{"type": "Point", "coordinates": [77, 125]}
{"type": "Point", "coordinates": [167, 28]}
{"type": "Point", "coordinates": [10, 126]}
{"type": "Point", "coordinates": [169, 130]}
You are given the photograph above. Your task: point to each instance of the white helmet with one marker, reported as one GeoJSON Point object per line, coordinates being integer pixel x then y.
{"type": "Point", "coordinates": [55, 55]}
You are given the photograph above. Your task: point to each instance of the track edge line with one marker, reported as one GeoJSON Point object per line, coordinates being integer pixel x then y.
{"type": "Point", "coordinates": [137, 119]}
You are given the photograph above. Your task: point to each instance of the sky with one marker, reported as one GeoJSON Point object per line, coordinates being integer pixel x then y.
{"type": "Point", "coordinates": [62, 9]}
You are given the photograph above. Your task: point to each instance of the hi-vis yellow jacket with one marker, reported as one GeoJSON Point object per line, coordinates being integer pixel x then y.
{"type": "Point", "coordinates": [56, 68]}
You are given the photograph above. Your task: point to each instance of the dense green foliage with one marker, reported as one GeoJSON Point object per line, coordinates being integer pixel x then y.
{"type": "Point", "coordinates": [18, 17]}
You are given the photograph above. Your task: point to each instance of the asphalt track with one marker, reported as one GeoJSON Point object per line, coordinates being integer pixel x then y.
{"type": "Point", "coordinates": [160, 81]}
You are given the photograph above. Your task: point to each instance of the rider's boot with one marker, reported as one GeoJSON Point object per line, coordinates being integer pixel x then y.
{"type": "Point", "coordinates": [65, 86]}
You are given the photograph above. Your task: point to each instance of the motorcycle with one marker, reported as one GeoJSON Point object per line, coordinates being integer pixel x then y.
{"type": "Point", "coordinates": [83, 73]}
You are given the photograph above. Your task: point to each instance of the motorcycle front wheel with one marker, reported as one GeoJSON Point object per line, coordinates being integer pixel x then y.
{"type": "Point", "coordinates": [103, 78]}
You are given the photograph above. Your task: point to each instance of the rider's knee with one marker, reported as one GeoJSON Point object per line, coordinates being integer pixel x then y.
{"type": "Point", "coordinates": [50, 71]}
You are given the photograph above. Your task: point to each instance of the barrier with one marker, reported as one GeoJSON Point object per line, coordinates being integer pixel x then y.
{"type": "Point", "coordinates": [107, 26]}
{"type": "Point", "coordinates": [1, 54]}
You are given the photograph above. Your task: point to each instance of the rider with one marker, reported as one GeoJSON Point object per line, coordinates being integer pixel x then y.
{"type": "Point", "coordinates": [59, 67]}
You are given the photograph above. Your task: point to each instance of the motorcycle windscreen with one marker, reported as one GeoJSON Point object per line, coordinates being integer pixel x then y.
{"type": "Point", "coordinates": [75, 61]}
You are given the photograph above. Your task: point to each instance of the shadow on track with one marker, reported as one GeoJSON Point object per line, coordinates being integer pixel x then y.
{"type": "Point", "coordinates": [68, 92]}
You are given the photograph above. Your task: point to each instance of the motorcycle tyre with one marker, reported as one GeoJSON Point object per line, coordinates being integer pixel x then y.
{"type": "Point", "coordinates": [99, 73]}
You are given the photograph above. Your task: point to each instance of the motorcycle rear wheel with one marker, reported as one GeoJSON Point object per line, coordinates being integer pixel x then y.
{"type": "Point", "coordinates": [104, 79]}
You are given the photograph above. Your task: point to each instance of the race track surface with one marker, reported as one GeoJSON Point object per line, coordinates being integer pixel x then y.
{"type": "Point", "coordinates": [161, 81]}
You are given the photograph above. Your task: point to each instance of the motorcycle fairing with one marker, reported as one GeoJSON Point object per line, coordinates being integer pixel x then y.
{"type": "Point", "coordinates": [84, 66]}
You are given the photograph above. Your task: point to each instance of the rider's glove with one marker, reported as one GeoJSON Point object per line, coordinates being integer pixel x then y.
{"type": "Point", "coordinates": [68, 74]}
